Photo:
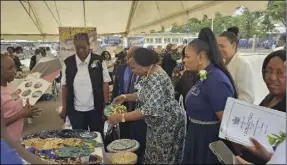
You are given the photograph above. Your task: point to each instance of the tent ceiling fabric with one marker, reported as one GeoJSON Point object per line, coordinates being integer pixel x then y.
{"type": "Point", "coordinates": [44, 17]}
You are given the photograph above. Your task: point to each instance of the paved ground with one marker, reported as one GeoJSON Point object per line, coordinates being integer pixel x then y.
{"type": "Point", "coordinates": [50, 119]}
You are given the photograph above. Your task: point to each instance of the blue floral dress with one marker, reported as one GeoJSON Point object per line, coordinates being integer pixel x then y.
{"type": "Point", "coordinates": [165, 119]}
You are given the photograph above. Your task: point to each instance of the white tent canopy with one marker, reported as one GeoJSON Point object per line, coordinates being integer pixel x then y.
{"type": "Point", "coordinates": [39, 20]}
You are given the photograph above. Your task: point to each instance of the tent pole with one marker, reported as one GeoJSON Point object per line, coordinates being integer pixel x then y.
{"type": "Point", "coordinates": [52, 13]}
{"type": "Point", "coordinates": [131, 15]}
{"type": "Point", "coordinates": [212, 24]}
{"type": "Point", "coordinates": [84, 10]}
{"type": "Point", "coordinates": [34, 21]}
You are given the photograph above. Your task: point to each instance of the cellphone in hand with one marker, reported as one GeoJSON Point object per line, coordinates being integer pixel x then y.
{"type": "Point", "coordinates": [222, 152]}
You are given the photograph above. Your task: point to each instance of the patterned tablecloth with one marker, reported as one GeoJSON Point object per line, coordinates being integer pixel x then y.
{"type": "Point", "coordinates": [98, 150]}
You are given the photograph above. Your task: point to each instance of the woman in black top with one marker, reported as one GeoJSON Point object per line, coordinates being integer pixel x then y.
{"type": "Point", "coordinates": [11, 50]}
{"type": "Point", "coordinates": [274, 75]}
{"type": "Point", "coordinates": [182, 79]}
{"type": "Point", "coordinates": [33, 59]}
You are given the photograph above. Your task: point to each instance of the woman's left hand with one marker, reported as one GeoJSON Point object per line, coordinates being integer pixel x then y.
{"type": "Point", "coordinates": [120, 99]}
{"type": "Point", "coordinates": [114, 119]}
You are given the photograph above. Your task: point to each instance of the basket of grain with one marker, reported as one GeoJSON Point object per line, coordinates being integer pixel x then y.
{"type": "Point", "coordinates": [123, 158]}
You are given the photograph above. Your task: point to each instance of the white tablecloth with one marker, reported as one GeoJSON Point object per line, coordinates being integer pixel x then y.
{"type": "Point", "coordinates": [99, 150]}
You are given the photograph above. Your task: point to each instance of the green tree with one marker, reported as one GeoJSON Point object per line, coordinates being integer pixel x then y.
{"type": "Point", "coordinates": [174, 28]}
{"type": "Point", "coordinates": [277, 11]}
{"type": "Point", "coordinates": [178, 29]}
{"type": "Point", "coordinates": [221, 23]}
{"type": "Point", "coordinates": [248, 23]}
{"type": "Point", "coordinates": [194, 25]}
{"type": "Point", "coordinates": [162, 30]}
{"type": "Point", "coordinates": [266, 25]}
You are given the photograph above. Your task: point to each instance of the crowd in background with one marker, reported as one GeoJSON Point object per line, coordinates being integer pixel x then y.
{"type": "Point", "coordinates": [173, 112]}
{"type": "Point", "coordinates": [232, 77]}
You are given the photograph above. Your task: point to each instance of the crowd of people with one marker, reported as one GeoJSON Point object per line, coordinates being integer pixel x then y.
{"type": "Point", "coordinates": [173, 112]}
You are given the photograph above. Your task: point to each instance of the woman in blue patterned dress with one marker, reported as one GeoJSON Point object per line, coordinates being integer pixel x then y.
{"type": "Point", "coordinates": [165, 119]}
{"type": "Point", "coordinates": [206, 100]}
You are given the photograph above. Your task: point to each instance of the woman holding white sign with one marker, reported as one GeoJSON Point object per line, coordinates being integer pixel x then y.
{"type": "Point", "coordinates": [274, 75]}
{"type": "Point", "coordinates": [11, 103]}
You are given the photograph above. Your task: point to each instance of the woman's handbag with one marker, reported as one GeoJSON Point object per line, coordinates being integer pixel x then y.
{"type": "Point", "coordinates": [113, 133]}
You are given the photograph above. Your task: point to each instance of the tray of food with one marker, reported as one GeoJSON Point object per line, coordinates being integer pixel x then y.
{"type": "Point", "coordinates": [65, 133]}
{"type": "Point", "coordinates": [115, 108]}
{"type": "Point", "coordinates": [123, 158]}
{"type": "Point", "coordinates": [123, 145]}
{"type": "Point", "coordinates": [64, 146]}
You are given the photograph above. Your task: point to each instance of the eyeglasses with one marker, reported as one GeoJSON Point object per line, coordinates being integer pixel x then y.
{"type": "Point", "coordinates": [269, 72]}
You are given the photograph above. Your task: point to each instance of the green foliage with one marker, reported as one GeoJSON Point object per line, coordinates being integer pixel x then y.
{"type": "Point", "coordinates": [266, 25]}
{"type": "Point", "coordinates": [162, 30]}
{"type": "Point", "coordinates": [277, 11]}
{"type": "Point", "coordinates": [249, 23]}
{"type": "Point", "coordinates": [276, 139]}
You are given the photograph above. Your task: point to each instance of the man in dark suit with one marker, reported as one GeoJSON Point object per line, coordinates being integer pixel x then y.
{"type": "Point", "coordinates": [168, 64]}
{"type": "Point", "coordinates": [123, 77]}
{"type": "Point", "coordinates": [11, 52]}
{"type": "Point", "coordinates": [33, 59]}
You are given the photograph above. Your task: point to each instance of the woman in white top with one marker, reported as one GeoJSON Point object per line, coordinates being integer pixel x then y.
{"type": "Point", "coordinates": [239, 68]}
{"type": "Point", "coordinates": [109, 62]}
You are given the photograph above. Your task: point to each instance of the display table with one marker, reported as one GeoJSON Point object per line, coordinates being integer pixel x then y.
{"type": "Point", "coordinates": [51, 145]}
{"type": "Point", "coordinates": [98, 150]}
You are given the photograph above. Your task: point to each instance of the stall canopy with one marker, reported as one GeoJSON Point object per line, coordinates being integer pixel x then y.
{"type": "Point", "coordinates": [39, 20]}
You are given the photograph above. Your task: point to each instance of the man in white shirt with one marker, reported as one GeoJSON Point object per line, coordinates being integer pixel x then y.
{"type": "Point", "coordinates": [85, 91]}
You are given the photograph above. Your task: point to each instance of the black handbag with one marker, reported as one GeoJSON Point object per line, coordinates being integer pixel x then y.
{"type": "Point", "coordinates": [111, 135]}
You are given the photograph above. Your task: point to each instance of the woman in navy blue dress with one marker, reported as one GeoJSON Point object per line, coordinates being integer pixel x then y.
{"type": "Point", "coordinates": [206, 100]}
